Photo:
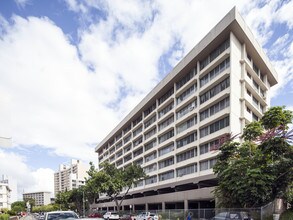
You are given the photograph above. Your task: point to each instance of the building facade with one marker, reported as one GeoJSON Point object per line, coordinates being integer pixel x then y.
{"type": "Point", "coordinates": [5, 196]}
{"type": "Point", "coordinates": [174, 133]}
{"type": "Point", "coordinates": [41, 198]}
{"type": "Point", "coordinates": [70, 176]}
{"type": "Point", "coordinates": [12, 184]}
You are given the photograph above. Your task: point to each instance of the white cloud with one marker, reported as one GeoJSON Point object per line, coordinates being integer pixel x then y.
{"type": "Point", "coordinates": [27, 180]}
{"type": "Point", "coordinates": [22, 3]}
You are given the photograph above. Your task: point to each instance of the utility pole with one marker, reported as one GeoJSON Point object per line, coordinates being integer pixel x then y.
{"type": "Point", "coordinates": [83, 204]}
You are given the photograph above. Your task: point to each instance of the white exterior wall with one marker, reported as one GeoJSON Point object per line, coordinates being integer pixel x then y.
{"type": "Point", "coordinates": [235, 87]}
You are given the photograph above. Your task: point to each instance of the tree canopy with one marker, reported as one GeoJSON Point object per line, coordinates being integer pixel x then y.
{"type": "Point", "coordinates": [259, 169]}
{"type": "Point", "coordinates": [114, 182]}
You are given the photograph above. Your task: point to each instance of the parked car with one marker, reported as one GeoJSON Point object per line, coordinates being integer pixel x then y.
{"type": "Point", "coordinates": [232, 215]}
{"type": "Point", "coordinates": [96, 215]}
{"type": "Point", "coordinates": [57, 215]}
{"type": "Point", "coordinates": [111, 215]}
{"type": "Point", "coordinates": [147, 216]}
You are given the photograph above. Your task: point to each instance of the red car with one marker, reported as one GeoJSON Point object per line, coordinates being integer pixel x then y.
{"type": "Point", "coordinates": [95, 215]}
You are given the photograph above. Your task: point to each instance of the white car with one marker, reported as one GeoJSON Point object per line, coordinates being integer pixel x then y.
{"type": "Point", "coordinates": [111, 215]}
{"type": "Point", "coordinates": [58, 215]}
{"type": "Point", "coordinates": [147, 216]}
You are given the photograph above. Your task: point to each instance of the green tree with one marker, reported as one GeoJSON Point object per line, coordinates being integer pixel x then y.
{"type": "Point", "coordinates": [63, 200]}
{"type": "Point", "coordinates": [259, 169]}
{"type": "Point", "coordinates": [18, 206]}
{"type": "Point", "coordinates": [78, 198]}
{"type": "Point", "coordinates": [114, 182]}
{"type": "Point", "coordinates": [31, 201]}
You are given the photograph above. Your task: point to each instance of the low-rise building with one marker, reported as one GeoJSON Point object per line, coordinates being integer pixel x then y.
{"type": "Point", "coordinates": [41, 198]}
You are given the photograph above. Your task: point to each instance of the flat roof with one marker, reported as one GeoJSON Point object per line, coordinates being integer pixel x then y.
{"type": "Point", "coordinates": [232, 22]}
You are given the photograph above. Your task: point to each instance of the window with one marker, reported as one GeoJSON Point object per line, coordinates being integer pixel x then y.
{"type": "Point", "coordinates": [151, 157]}
{"type": "Point", "coordinates": [119, 145]}
{"type": "Point", "coordinates": [150, 133]}
{"type": "Point", "coordinates": [138, 162]}
{"type": "Point", "coordinates": [248, 109]}
{"type": "Point", "coordinates": [204, 165]}
{"type": "Point", "coordinates": [188, 92]}
{"type": "Point", "coordinates": [166, 110]}
{"type": "Point", "coordinates": [188, 108]}
{"type": "Point", "coordinates": [167, 149]}
{"type": "Point", "coordinates": [186, 170]}
{"type": "Point", "coordinates": [186, 155]}
{"type": "Point", "coordinates": [126, 139]}
{"type": "Point", "coordinates": [127, 158]}
{"type": "Point", "coordinates": [150, 180]}
{"type": "Point", "coordinates": [186, 78]}
{"type": "Point", "coordinates": [119, 136]}
{"type": "Point", "coordinates": [254, 117]}
{"type": "Point", "coordinates": [248, 57]}
{"type": "Point", "coordinates": [215, 108]}
{"type": "Point", "coordinates": [126, 149]}
{"type": "Point", "coordinates": [137, 142]}
{"type": "Point", "coordinates": [187, 124]}
{"type": "Point", "coordinates": [137, 131]}
{"type": "Point", "coordinates": [166, 136]}
{"type": "Point", "coordinates": [150, 145]}
{"type": "Point", "coordinates": [215, 53]}
{"type": "Point", "coordinates": [215, 72]}
{"type": "Point", "coordinates": [150, 168]}
{"type": "Point", "coordinates": [255, 85]}
{"type": "Point", "coordinates": [215, 90]}
{"type": "Point", "coordinates": [136, 121]}
{"type": "Point", "coordinates": [216, 126]}
{"type": "Point", "coordinates": [208, 164]}
{"type": "Point", "coordinates": [118, 154]}
{"type": "Point", "coordinates": [128, 128]}
{"type": "Point", "coordinates": [205, 148]}
{"type": "Point", "coordinates": [166, 96]}
{"type": "Point", "coordinates": [150, 121]}
{"type": "Point", "coordinates": [166, 176]}
{"type": "Point", "coordinates": [166, 163]}
{"type": "Point", "coordinates": [167, 122]}
{"type": "Point", "coordinates": [255, 101]}
{"type": "Point", "coordinates": [138, 152]}
{"type": "Point", "coordinates": [150, 109]}
{"type": "Point", "coordinates": [248, 92]}
{"type": "Point", "coordinates": [256, 69]}
{"type": "Point", "coordinates": [186, 140]}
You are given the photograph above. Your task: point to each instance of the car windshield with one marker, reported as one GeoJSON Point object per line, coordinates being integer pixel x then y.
{"type": "Point", "coordinates": [58, 216]}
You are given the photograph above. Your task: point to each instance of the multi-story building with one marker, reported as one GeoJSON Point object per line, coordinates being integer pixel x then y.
{"type": "Point", "coordinates": [41, 198]}
{"type": "Point", "coordinates": [5, 196]}
{"type": "Point", "coordinates": [174, 133]}
{"type": "Point", "coordinates": [12, 184]}
{"type": "Point", "coordinates": [70, 176]}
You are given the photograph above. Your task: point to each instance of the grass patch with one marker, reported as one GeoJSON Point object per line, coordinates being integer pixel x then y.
{"type": "Point", "coordinates": [287, 215]}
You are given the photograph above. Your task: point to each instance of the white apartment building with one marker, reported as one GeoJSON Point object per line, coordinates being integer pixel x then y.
{"type": "Point", "coordinates": [174, 133]}
{"type": "Point", "coordinates": [41, 198]}
{"type": "Point", "coordinates": [70, 176]}
{"type": "Point", "coordinates": [5, 196]}
{"type": "Point", "coordinates": [12, 184]}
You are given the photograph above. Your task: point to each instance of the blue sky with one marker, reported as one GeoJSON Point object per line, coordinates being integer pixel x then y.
{"type": "Point", "coordinates": [71, 70]}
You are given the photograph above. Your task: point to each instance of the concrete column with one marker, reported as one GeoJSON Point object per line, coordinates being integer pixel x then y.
{"type": "Point", "coordinates": [146, 206]}
{"type": "Point", "coordinates": [185, 205]}
{"type": "Point", "coordinates": [163, 206]}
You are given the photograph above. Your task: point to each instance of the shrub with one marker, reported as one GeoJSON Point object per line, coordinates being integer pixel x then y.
{"type": "Point", "coordinates": [287, 215]}
{"type": "Point", "coordinates": [4, 217]}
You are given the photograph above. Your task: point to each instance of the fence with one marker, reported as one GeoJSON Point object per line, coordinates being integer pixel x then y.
{"type": "Point", "coordinates": [207, 214]}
